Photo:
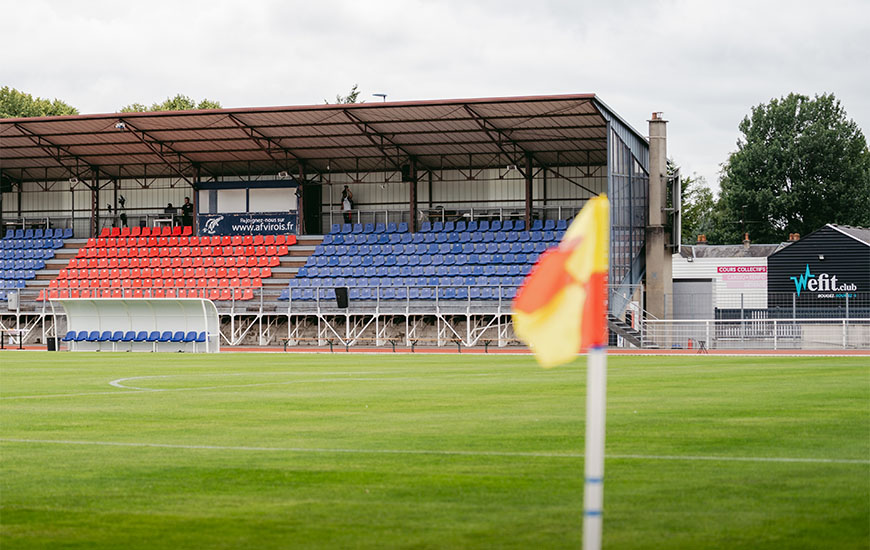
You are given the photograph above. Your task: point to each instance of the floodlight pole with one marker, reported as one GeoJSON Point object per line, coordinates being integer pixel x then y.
{"type": "Point", "coordinates": [593, 486]}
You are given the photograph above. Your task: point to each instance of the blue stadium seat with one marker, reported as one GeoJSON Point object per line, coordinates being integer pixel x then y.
{"type": "Point", "coordinates": [141, 336]}
{"type": "Point", "coordinates": [449, 227]}
{"type": "Point", "coordinates": [71, 334]}
{"type": "Point", "coordinates": [561, 225]}
{"type": "Point", "coordinates": [117, 336]}
{"type": "Point", "coordinates": [166, 336]}
{"type": "Point", "coordinates": [425, 227]}
{"type": "Point", "coordinates": [380, 228]}
{"type": "Point", "coordinates": [495, 225]}
{"type": "Point", "coordinates": [178, 336]}
{"type": "Point", "coordinates": [346, 228]}
{"type": "Point", "coordinates": [549, 225]}
{"type": "Point", "coordinates": [403, 227]}
{"type": "Point", "coordinates": [93, 336]}
{"type": "Point", "coordinates": [438, 227]}
{"type": "Point", "coordinates": [368, 228]}
{"type": "Point", "coordinates": [129, 336]}
{"type": "Point", "coordinates": [507, 225]}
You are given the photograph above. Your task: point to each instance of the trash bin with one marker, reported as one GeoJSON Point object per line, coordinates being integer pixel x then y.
{"type": "Point", "coordinates": [51, 343]}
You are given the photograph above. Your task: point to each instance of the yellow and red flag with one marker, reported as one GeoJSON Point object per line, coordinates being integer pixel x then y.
{"type": "Point", "coordinates": [560, 309]}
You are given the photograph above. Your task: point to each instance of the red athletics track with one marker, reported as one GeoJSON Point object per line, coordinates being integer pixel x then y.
{"type": "Point", "coordinates": [452, 349]}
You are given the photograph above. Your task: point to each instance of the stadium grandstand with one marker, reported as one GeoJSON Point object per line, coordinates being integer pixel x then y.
{"type": "Point", "coordinates": [453, 200]}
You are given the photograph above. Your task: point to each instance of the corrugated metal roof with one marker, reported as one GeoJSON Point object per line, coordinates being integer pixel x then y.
{"type": "Point", "coordinates": [562, 130]}
{"type": "Point", "coordinates": [861, 234]}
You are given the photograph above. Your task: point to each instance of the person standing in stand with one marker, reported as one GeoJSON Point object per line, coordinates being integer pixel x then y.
{"type": "Point", "coordinates": [347, 204]}
{"type": "Point", "coordinates": [187, 212]}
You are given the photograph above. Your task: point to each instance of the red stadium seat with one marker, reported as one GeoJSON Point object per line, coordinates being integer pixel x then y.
{"type": "Point", "coordinates": [280, 239]}
{"type": "Point", "coordinates": [165, 231]}
{"type": "Point", "coordinates": [105, 231]}
{"type": "Point", "coordinates": [187, 230]}
{"type": "Point", "coordinates": [291, 240]}
{"type": "Point", "coordinates": [268, 240]}
{"type": "Point", "coordinates": [116, 232]}
{"type": "Point", "coordinates": [177, 230]}
{"type": "Point", "coordinates": [125, 231]}
{"type": "Point", "coordinates": [136, 231]}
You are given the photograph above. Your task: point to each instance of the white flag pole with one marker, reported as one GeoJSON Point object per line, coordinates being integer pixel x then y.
{"type": "Point", "coordinates": [593, 488]}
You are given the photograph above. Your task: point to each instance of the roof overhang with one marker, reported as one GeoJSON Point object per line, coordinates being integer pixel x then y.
{"type": "Point", "coordinates": [553, 131]}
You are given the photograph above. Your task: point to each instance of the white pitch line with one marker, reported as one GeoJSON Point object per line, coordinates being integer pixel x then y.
{"type": "Point", "coordinates": [335, 377]}
{"type": "Point", "coordinates": [532, 454]}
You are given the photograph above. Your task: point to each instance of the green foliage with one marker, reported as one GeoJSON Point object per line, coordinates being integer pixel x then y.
{"type": "Point", "coordinates": [323, 451]}
{"type": "Point", "coordinates": [698, 209]}
{"type": "Point", "coordinates": [800, 164]}
{"type": "Point", "coordinates": [14, 104]}
{"type": "Point", "coordinates": [352, 97]}
{"type": "Point", "coordinates": [178, 103]}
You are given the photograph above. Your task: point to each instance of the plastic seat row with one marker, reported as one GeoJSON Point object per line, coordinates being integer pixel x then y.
{"type": "Point", "coordinates": [428, 238]}
{"type": "Point", "coordinates": [413, 261]}
{"type": "Point", "coordinates": [403, 293]}
{"type": "Point", "coordinates": [165, 230]}
{"type": "Point", "coordinates": [434, 248]}
{"type": "Point", "coordinates": [164, 273]}
{"type": "Point", "coordinates": [214, 282]}
{"type": "Point", "coordinates": [370, 228]}
{"type": "Point", "coordinates": [21, 264]}
{"type": "Point", "coordinates": [512, 279]}
{"type": "Point", "coordinates": [17, 274]}
{"type": "Point", "coordinates": [495, 225]}
{"type": "Point", "coordinates": [220, 294]}
{"type": "Point", "coordinates": [155, 337]}
{"type": "Point", "coordinates": [28, 254]}
{"type": "Point", "coordinates": [175, 241]}
{"type": "Point", "coordinates": [30, 244]}
{"type": "Point", "coordinates": [169, 252]}
{"type": "Point", "coordinates": [39, 233]}
{"type": "Point", "coordinates": [220, 261]}
{"type": "Point", "coordinates": [10, 284]}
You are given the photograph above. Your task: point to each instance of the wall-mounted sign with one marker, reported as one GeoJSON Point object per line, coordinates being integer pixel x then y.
{"type": "Point", "coordinates": [263, 223]}
{"type": "Point", "coordinates": [743, 276]}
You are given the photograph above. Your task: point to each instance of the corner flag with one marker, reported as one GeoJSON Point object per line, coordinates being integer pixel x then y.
{"type": "Point", "coordinates": [560, 309]}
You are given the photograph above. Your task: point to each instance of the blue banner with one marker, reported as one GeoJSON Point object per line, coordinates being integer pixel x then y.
{"type": "Point", "coordinates": [261, 223]}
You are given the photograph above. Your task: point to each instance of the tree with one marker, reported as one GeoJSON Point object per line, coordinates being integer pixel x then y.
{"type": "Point", "coordinates": [800, 164]}
{"type": "Point", "coordinates": [15, 104]}
{"type": "Point", "coordinates": [178, 103]}
{"type": "Point", "coordinates": [698, 209]}
{"type": "Point", "coordinates": [352, 97]}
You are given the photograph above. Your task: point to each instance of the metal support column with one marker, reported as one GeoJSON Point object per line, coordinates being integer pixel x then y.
{"type": "Point", "coordinates": [95, 204]}
{"type": "Point", "coordinates": [300, 203]}
{"type": "Point", "coordinates": [529, 180]}
{"type": "Point", "coordinates": [412, 214]}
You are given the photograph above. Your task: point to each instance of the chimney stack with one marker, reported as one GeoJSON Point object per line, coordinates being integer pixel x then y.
{"type": "Point", "coordinates": [792, 237]}
{"type": "Point", "coordinates": [702, 239]}
{"type": "Point", "coordinates": [746, 241]}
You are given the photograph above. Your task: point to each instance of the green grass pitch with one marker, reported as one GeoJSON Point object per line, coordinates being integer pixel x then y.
{"type": "Point", "coordinates": [428, 451]}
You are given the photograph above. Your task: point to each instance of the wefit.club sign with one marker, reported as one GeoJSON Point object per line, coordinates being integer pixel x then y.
{"type": "Point", "coordinates": [825, 284]}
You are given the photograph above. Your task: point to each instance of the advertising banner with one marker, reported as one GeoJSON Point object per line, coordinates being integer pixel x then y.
{"type": "Point", "coordinates": [260, 223]}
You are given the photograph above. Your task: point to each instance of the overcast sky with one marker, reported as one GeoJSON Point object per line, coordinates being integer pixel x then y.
{"type": "Point", "coordinates": [704, 64]}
